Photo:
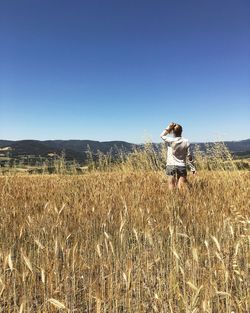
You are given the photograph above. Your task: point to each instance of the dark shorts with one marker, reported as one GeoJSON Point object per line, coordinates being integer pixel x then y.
{"type": "Point", "coordinates": [175, 170]}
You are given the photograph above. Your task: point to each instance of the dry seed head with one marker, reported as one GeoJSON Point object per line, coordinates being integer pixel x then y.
{"type": "Point", "coordinates": [106, 235]}
{"type": "Point", "coordinates": [149, 237]}
{"type": "Point", "coordinates": [176, 254]}
{"type": "Point", "coordinates": [237, 248]}
{"type": "Point", "coordinates": [240, 279]}
{"type": "Point", "coordinates": [216, 242]}
{"type": "Point", "coordinates": [10, 263]}
{"type": "Point", "coordinates": [112, 248]}
{"type": "Point", "coordinates": [121, 237]}
{"type": "Point", "coordinates": [21, 308]}
{"type": "Point", "coordinates": [2, 290]}
{"type": "Point", "coordinates": [43, 275]}
{"type": "Point", "coordinates": [28, 263]}
{"type": "Point", "coordinates": [171, 230]}
{"type": "Point", "coordinates": [60, 211]}
{"type": "Point", "coordinates": [68, 237]}
{"type": "Point", "coordinates": [231, 230]}
{"type": "Point", "coordinates": [39, 244]}
{"type": "Point", "coordinates": [226, 276]}
{"type": "Point", "coordinates": [122, 225]}
{"type": "Point", "coordinates": [235, 264]}
{"type": "Point", "coordinates": [57, 303]}
{"type": "Point", "coordinates": [98, 250]}
{"type": "Point", "coordinates": [181, 270]}
{"type": "Point", "coordinates": [223, 293]}
{"type": "Point", "coordinates": [195, 299]}
{"type": "Point", "coordinates": [136, 235]}
{"type": "Point", "coordinates": [219, 257]}
{"type": "Point", "coordinates": [106, 245]}
{"type": "Point", "coordinates": [98, 305]}
{"type": "Point", "coordinates": [124, 276]}
{"type": "Point", "coordinates": [183, 235]}
{"type": "Point", "coordinates": [21, 232]}
{"type": "Point", "coordinates": [206, 243]}
{"type": "Point", "coordinates": [56, 247]}
{"type": "Point", "coordinates": [237, 272]}
{"type": "Point", "coordinates": [195, 254]}
{"type": "Point", "coordinates": [191, 285]}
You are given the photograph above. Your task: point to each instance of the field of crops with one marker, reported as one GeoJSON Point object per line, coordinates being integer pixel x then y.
{"type": "Point", "coordinates": [122, 242]}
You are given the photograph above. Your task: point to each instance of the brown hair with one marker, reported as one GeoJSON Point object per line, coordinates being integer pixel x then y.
{"type": "Point", "coordinates": [177, 130]}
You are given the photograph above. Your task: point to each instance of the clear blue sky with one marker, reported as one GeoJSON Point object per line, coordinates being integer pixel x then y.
{"type": "Point", "coordinates": [123, 69]}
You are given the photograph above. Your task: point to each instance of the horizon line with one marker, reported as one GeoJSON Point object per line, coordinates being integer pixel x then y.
{"type": "Point", "coordinates": [192, 142]}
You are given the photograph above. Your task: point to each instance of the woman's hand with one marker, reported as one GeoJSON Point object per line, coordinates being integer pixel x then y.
{"type": "Point", "coordinates": [170, 127]}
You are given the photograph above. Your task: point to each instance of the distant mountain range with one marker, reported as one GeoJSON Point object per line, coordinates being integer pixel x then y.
{"type": "Point", "coordinates": [76, 149]}
{"type": "Point", "coordinates": [73, 149]}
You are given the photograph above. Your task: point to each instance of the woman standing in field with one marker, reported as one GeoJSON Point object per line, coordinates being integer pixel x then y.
{"type": "Point", "coordinates": [178, 155]}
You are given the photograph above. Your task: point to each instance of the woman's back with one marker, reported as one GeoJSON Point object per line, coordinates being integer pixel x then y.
{"type": "Point", "coordinates": [177, 150]}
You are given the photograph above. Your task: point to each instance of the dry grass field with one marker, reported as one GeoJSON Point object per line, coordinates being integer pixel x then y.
{"type": "Point", "coordinates": [119, 241]}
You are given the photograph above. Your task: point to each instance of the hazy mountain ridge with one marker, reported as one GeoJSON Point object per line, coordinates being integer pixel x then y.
{"type": "Point", "coordinates": [76, 149]}
{"type": "Point", "coordinates": [233, 146]}
{"type": "Point", "coordinates": [73, 149]}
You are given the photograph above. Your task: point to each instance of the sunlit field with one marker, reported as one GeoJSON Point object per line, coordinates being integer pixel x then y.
{"type": "Point", "coordinates": [120, 241]}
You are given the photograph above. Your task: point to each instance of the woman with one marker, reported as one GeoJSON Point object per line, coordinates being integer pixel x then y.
{"type": "Point", "coordinates": [178, 151]}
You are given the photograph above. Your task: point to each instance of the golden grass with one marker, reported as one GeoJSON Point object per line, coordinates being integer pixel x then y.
{"type": "Point", "coordinates": [122, 242]}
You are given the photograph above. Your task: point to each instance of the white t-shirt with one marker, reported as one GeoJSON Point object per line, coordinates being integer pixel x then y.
{"type": "Point", "coordinates": [178, 149]}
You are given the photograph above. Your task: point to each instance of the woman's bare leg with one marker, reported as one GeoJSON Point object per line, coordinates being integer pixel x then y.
{"type": "Point", "coordinates": [182, 183]}
{"type": "Point", "coordinates": [171, 182]}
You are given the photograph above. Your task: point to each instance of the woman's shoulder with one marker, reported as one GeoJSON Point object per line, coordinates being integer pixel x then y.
{"type": "Point", "coordinates": [185, 140]}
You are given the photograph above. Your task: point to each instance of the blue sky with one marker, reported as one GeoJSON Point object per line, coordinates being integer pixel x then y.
{"type": "Point", "coordinates": [123, 69]}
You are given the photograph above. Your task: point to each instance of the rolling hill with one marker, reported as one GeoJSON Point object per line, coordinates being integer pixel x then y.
{"type": "Point", "coordinates": [76, 149]}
